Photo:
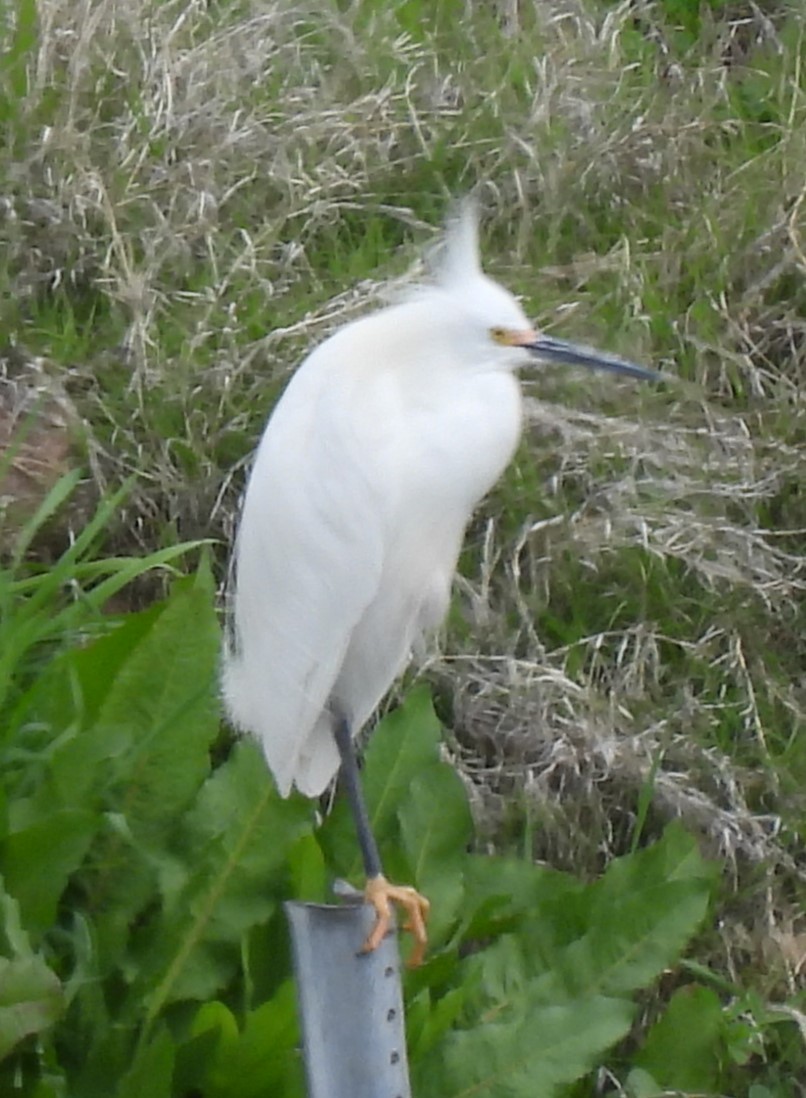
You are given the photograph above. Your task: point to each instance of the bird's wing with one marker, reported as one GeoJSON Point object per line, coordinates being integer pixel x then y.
{"type": "Point", "coordinates": [308, 561]}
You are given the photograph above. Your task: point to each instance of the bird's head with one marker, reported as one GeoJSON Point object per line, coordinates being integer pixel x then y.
{"type": "Point", "coordinates": [493, 325]}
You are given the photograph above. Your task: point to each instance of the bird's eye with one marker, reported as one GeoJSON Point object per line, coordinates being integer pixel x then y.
{"type": "Point", "coordinates": [499, 335]}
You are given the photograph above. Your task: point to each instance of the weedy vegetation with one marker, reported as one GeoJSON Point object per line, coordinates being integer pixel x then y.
{"type": "Point", "coordinates": [600, 776]}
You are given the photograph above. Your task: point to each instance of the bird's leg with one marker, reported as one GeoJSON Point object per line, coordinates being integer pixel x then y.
{"type": "Point", "coordinates": [378, 892]}
{"type": "Point", "coordinates": [352, 781]}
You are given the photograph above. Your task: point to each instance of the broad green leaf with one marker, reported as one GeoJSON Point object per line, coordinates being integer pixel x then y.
{"type": "Point", "coordinates": [161, 714]}
{"type": "Point", "coordinates": [526, 1051]}
{"type": "Point", "coordinates": [675, 857]}
{"type": "Point", "coordinates": [429, 1018]}
{"type": "Point", "coordinates": [502, 892]}
{"type": "Point", "coordinates": [14, 939]}
{"type": "Point", "coordinates": [640, 1084]}
{"type": "Point", "coordinates": [198, 1057]}
{"type": "Point", "coordinates": [436, 827]}
{"type": "Point", "coordinates": [67, 695]}
{"type": "Point", "coordinates": [218, 1016]}
{"type": "Point", "coordinates": [435, 821]}
{"type": "Point", "coordinates": [235, 842]}
{"type": "Point", "coordinates": [640, 916]}
{"type": "Point", "coordinates": [682, 1050]}
{"type": "Point", "coordinates": [630, 946]}
{"type": "Point", "coordinates": [37, 861]}
{"type": "Point", "coordinates": [90, 674]}
{"type": "Point", "coordinates": [405, 743]}
{"type": "Point", "coordinates": [500, 974]}
{"type": "Point", "coordinates": [152, 1071]}
{"type": "Point", "coordinates": [402, 746]}
{"type": "Point", "coordinates": [144, 752]}
{"type": "Point", "coordinates": [308, 871]}
{"type": "Point", "coordinates": [30, 1000]}
{"type": "Point", "coordinates": [265, 1058]}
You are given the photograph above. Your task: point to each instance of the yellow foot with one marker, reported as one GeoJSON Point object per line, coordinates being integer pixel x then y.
{"type": "Point", "coordinates": [382, 895]}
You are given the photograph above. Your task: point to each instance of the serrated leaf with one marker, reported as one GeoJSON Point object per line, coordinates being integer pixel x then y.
{"type": "Point", "coordinates": [500, 889]}
{"type": "Point", "coordinates": [531, 1052]}
{"type": "Point", "coordinates": [640, 917]}
{"type": "Point", "coordinates": [162, 710]}
{"type": "Point", "coordinates": [675, 857]}
{"type": "Point", "coordinates": [641, 936]}
{"type": "Point", "coordinates": [31, 1000]}
{"type": "Point", "coordinates": [145, 735]}
{"type": "Point", "coordinates": [144, 752]}
{"type": "Point", "coordinates": [236, 842]}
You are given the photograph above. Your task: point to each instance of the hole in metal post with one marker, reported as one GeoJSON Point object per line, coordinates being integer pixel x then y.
{"type": "Point", "coordinates": [394, 1058]}
{"type": "Point", "coordinates": [389, 971]}
{"type": "Point", "coordinates": [391, 1015]}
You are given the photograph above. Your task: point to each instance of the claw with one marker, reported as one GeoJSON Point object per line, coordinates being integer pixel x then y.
{"type": "Point", "coordinates": [381, 895]}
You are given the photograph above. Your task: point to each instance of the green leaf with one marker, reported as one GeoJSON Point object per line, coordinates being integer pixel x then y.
{"type": "Point", "coordinates": [72, 687]}
{"type": "Point", "coordinates": [435, 822]}
{"type": "Point", "coordinates": [640, 1084]}
{"type": "Point", "coordinates": [218, 1016]}
{"type": "Point", "coordinates": [429, 1018]}
{"type": "Point", "coordinates": [436, 827]}
{"type": "Point", "coordinates": [37, 861]}
{"type": "Point", "coordinates": [530, 1052]}
{"type": "Point", "coordinates": [308, 871]}
{"type": "Point", "coordinates": [503, 891]}
{"type": "Point", "coordinates": [631, 946]}
{"type": "Point", "coordinates": [405, 743]}
{"type": "Point", "coordinates": [58, 494]}
{"type": "Point", "coordinates": [682, 1050]}
{"type": "Point", "coordinates": [152, 1072]}
{"type": "Point", "coordinates": [265, 1059]}
{"type": "Point", "coordinates": [144, 752]}
{"type": "Point", "coordinates": [234, 844]}
{"type": "Point", "coordinates": [640, 916]}
{"type": "Point", "coordinates": [30, 1000]}
{"type": "Point", "coordinates": [15, 941]}
{"type": "Point", "coordinates": [35, 609]}
{"type": "Point", "coordinates": [161, 714]}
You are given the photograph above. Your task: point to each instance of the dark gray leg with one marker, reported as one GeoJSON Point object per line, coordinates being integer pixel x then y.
{"type": "Point", "coordinates": [352, 782]}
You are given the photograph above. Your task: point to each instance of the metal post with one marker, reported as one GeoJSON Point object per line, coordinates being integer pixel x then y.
{"type": "Point", "coordinates": [351, 1004]}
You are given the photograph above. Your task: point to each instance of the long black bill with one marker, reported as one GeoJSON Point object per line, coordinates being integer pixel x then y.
{"type": "Point", "coordinates": [559, 351]}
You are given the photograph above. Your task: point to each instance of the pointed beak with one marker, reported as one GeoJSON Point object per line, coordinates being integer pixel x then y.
{"type": "Point", "coordinates": [552, 350]}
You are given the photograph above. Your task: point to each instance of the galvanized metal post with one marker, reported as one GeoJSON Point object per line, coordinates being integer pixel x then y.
{"type": "Point", "coordinates": [351, 1004]}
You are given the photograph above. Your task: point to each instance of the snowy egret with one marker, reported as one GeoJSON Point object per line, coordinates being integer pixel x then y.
{"type": "Point", "coordinates": [386, 438]}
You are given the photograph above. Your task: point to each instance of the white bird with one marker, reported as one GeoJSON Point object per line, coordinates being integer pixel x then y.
{"type": "Point", "coordinates": [383, 443]}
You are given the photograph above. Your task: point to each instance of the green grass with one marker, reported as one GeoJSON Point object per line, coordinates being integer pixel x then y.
{"type": "Point", "coordinates": [194, 195]}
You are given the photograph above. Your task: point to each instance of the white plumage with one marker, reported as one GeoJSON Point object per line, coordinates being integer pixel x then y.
{"type": "Point", "coordinates": [369, 468]}
{"type": "Point", "coordinates": [384, 441]}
